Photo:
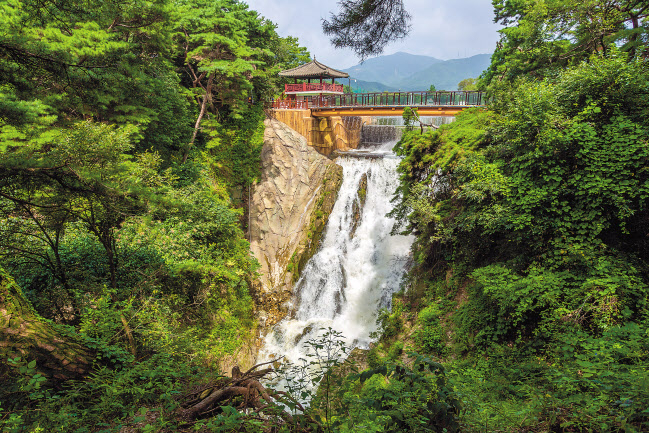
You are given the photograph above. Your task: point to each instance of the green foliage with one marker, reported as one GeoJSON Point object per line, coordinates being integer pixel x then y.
{"type": "Point", "coordinates": [104, 219]}
{"type": "Point", "coordinates": [234, 152]}
{"type": "Point", "coordinates": [29, 381]}
{"type": "Point", "coordinates": [374, 359]}
{"type": "Point", "coordinates": [584, 383]}
{"type": "Point", "coordinates": [109, 398]}
{"type": "Point", "coordinates": [530, 219]}
{"type": "Point", "coordinates": [532, 181]}
{"type": "Point", "coordinates": [467, 84]}
{"type": "Point", "coordinates": [170, 127]}
{"type": "Point", "coordinates": [390, 322]}
{"type": "Point", "coordinates": [611, 370]}
{"type": "Point", "coordinates": [395, 351]}
{"type": "Point", "coordinates": [316, 372]}
{"type": "Point", "coordinates": [395, 398]}
{"type": "Point", "coordinates": [230, 420]}
{"type": "Point", "coordinates": [202, 260]}
{"type": "Point", "coordinates": [388, 397]}
{"type": "Point", "coordinates": [84, 180]}
{"type": "Point", "coordinates": [430, 336]}
{"type": "Point", "coordinates": [228, 63]}
{"type": "Point", "coordinates": [427, 160]}
{"type": "Point", "coordinates": [409, 117]}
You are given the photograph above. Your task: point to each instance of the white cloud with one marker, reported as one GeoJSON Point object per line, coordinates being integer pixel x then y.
{"type": "Point", "coordinates": [444, 29]}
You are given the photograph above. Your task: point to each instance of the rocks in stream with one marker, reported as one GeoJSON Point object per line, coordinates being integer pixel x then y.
{"type": "Point", "coordinates": [357, 206]}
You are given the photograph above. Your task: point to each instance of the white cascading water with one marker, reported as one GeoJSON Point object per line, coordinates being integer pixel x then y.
{"type": "Point", "coordinates": [350, 278]}
{"type": "Point", "coordinates": [390, 128]}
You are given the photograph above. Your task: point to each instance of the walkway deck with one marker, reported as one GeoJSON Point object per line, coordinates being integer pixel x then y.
{"type": "Point", "coordinates": [385, 104]}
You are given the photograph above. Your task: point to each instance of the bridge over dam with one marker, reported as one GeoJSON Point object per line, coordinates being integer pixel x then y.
{"type": "Point", "coordinates": [336, 122]}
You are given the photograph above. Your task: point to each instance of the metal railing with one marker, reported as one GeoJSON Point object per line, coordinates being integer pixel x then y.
{"type": "Point", "coordinates": [386, 99]}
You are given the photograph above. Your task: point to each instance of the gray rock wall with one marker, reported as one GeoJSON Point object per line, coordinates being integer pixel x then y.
{"type": "Point", "coordinates": [294, 180]}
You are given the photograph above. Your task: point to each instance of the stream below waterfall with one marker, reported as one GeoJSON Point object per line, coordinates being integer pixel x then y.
{"type": "Point", "coordinates": [355, 272]}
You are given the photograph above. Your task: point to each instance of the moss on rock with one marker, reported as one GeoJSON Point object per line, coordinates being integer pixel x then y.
{"type": "Point", "coordinates": [325, 202]}
{"type": "Point", "coordinates": [24, 333]}
{"type": "Point", "coordinates": [358, 205]}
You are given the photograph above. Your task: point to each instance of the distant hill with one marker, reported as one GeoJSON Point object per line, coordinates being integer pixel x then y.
{"type": "Point", "coordinates": [391, 69]}
{"type": "Point", "coordinates": [369, 86]}
{"type": "Point", "coordinates": [403, 71]}
{"type": "Point", "coordinates": [446, 75]}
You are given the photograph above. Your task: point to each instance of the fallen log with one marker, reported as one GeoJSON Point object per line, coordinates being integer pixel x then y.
{"type": "Point", "coordinates": [202, 402]}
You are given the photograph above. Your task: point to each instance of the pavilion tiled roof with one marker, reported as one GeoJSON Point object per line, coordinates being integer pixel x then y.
{"type": "Point", "coordinates": [313, 69]}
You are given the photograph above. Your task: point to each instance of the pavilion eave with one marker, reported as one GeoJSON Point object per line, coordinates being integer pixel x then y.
{"type": "Point", "coordinates": [313, 69]}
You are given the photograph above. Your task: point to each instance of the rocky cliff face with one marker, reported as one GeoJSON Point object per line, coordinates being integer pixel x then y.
{"type": "Point", "coordinates": [288, 211]}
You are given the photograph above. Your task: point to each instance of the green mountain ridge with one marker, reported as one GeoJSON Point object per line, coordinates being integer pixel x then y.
{"type": "Point", "coordinates": [446, 75]}
{"type": "Point", "coordinates": [391, 69]}
{"type": "Point", "coordinates": [361, 86]}
{"type": "Point", "coordinates": [409, 72]}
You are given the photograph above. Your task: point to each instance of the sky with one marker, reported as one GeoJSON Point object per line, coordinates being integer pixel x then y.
{"type": "Point", "coordinates": [445, 29]}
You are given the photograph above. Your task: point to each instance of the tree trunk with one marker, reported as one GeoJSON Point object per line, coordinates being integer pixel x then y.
{"type": "Point", "coordinates": [206, 99]}
{"type": "Point", "coordinates": [23, 333]}
{"type": "Point", "coordinates": [105, 235]}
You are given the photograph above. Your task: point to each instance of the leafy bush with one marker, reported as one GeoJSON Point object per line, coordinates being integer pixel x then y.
{"type": "Point", "coordinates": [108, 399]}
{"type": "Point", "coordinates": [583, 383]}
{"type": "Point", "coordinates": [430, 335]}
{"type": "Point", "coordinates": [395, 398]}
{"type": "Point", "coordinates": [395, 350]}
{"type": "Point", "coordinates": [390, 322]}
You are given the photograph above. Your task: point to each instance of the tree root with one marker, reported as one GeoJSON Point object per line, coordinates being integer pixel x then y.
{"type": "Point", "coordinates": [202, 402]}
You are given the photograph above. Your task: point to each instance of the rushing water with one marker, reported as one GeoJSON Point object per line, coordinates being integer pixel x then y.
{"type": "Point", "coordinates": [350, 278]}
{"type": "Point", "coordinates": [384, 129]}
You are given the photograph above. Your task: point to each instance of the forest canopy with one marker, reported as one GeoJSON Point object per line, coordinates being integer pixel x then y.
{"type": "Point", "coordinates": [125, 129]}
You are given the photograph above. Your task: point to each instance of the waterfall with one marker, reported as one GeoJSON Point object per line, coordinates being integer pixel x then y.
{"type": "Point", "coordinates": [388, 129]}
{"type": "Point", "coordinates": [350, 278]}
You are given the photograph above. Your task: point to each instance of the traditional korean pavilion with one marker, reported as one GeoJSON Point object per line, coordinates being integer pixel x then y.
{"type": "Point", "coordinates": [317, 72]}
